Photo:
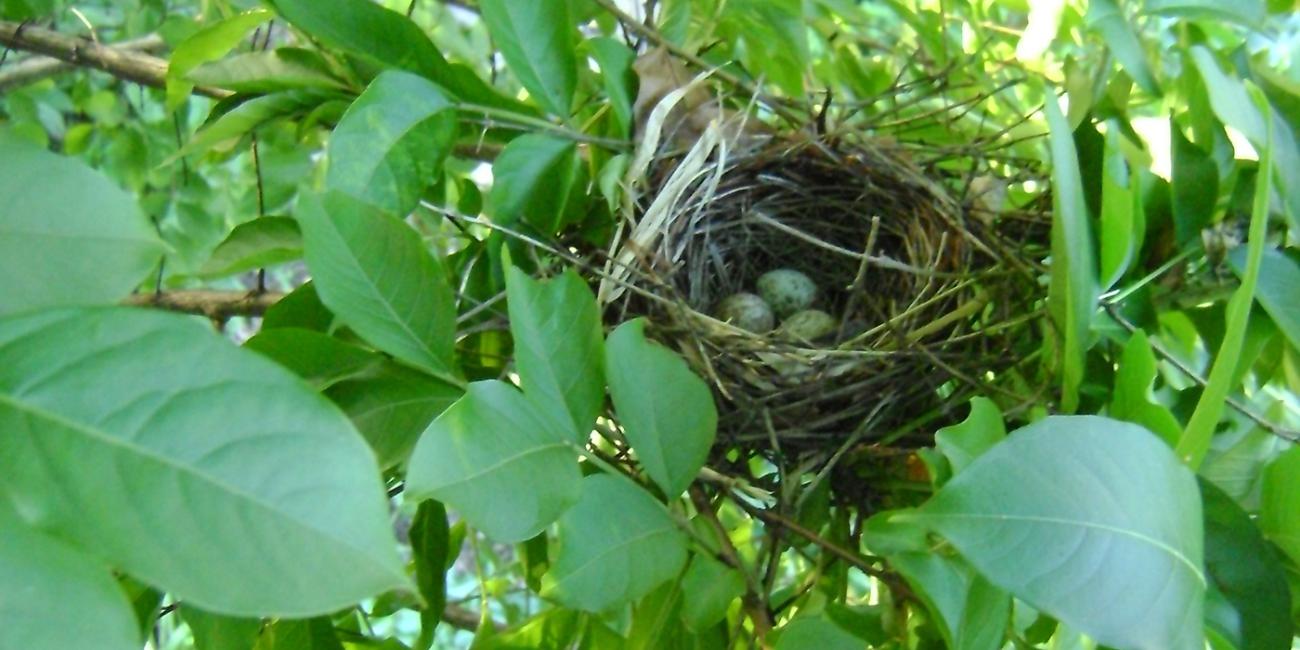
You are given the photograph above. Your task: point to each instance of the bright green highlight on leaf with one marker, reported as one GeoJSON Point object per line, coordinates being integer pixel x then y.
{"type": "Point", "coordinates": [667, 412]}
{"type": "Point", "coordinates": [144, 423]}
{"type": "Point", "coordinates": [68, 235]}
{"type": "Point", "coordinates": [508, 469]}
{"type": "Point", "coordinates": [1089, 519]}
{"type": "Point", "coordinates": [980, 431]}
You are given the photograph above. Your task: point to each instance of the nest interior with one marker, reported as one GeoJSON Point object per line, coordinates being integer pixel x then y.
{"type": "Point", "coordinates": [922, 293]}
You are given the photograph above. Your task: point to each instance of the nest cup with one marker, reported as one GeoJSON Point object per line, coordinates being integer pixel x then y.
{"type": "Point", "coordinates": [918, 291]}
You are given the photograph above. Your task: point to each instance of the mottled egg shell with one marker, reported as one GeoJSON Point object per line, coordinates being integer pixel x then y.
{"type": "Point", "coordinates": [809, 324]}
{"type": "Point", "coordinates": [787, 291]}
{"type": "Point", "coordinates": [747, 311]}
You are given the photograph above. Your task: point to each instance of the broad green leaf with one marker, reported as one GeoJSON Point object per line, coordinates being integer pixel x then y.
{"type": "Point", "coordinates": [218, 632]}
{"type": "Point", "coordinates": [1131, 400]}
{"type": "Point", "coordinates": [1106, 18]}
{"type": "Point", "coordinates": [52, 595]}
{"type": "Point", "coordinates": [615, 61]}
{"type": "Point", "coordinates": [268, 72]}
{"type": "Point", "coordinates": [391, 406]}
{"type": "Point", "coordinates": [430, 553]}
{"type": "Point", "coordinates": [667, 412]}
{"type": "Point", "coordinates": [1278, 288]}
{"type": "Point", "coordinates": [391, 143]}
{"type": "Point", "coordinates": [301, 308]}
{"type": "Point", "coordinates": [505, 467]}
{"type": "Point", "coordinates": [1091, 520]}
{"type": "Point", "coordinates": [813, 633]}
{"type": "Point", "coordinates": [1279, 516]}
{"type": "Point", "coordinates": [1072, 291]}
{"type": "Point", "coordinates": [375, 273]}
{"type": "Point", "coordinates": [68, 235]}
{"type": "Point", "coordinates": [143, 423]}
{"type": "Point", "coordinates": [559, 352]}
{"type": "Point", "coordinates": [616, 544]}
{"type": "Point", "coordinates": [207, 44]}
{"type": "Point", "coordinates": [533, 181]}
{"type": "Point", "coordinates": [973, 614]}
{"type": "Point", "coordinates": [1246, 12]}
{"type": "Point", "coordinates": [246, 118]}
{"type": "Point", "coordinates": [262, 242]}
{"type": "Point", "coordinates": [536, 39]}
{"type": "Point", "coordinates": [1246, 572]}
{"type": "Point", "coordinates": [1122, 221]}
{"type": "Point", "coordinates": [319, 359]}
{"type": "Point", "coordinates": [708, 589]}
{"type": "Point", "coordinates": [307, 634]}
{"type": "Point", "coordinates": [1195, 441]}
{"type": "Point", "coordinates": [979, 432]}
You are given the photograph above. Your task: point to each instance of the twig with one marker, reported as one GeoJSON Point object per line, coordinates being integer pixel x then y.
{"type": "Point", "coordinates": [857, 560]}
{"type": "Point", "coordinates": [144, 69]}
{"type": "Point", "coordinates": [217, 305]}
{"type": "Point", "coordinates": [37, 68]}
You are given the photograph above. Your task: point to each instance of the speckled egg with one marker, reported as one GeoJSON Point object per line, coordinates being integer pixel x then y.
{"type": "Point", "coordinates": [809, 325]}
{"type": "Point", "coordinates": [748, 312]}
{"type": "Point", "coordinates": [787, 291]}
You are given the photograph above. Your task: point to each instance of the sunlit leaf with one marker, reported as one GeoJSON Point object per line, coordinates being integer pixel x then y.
{"type": "Point", "coordinates": [1107, 19]}
{"type": "Point", "coordinates": [536, 39]}
{"type": "Point", "coordinates": [208, 44]}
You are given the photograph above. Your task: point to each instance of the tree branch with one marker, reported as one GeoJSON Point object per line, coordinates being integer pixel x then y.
{"type": "Point", "coordinates": [37, 68]}
{"type": "Point", "coordinates": [144, 69]}
{"type": "Point", "coordinates": [217, 305]}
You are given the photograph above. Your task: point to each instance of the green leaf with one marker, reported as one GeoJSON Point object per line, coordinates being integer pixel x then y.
{"type": "Point", "coordinates": [1122, 222]}
{"type": "Point", "coordinates": [536, 39]}
{"type": "Point", "coordinates": [1072, 292]}
{"type": "Point", "coordinates": [301, 308]}
{"type": "Point", "coordinates": [430, 552]}
{"type": "Point", "coordinates": [207, 44]}
{"type": "Point", "coordinates": [500, 463]}
{"type": "Point", "coordinates": [68, 235]}
{"type": "Point", "coordinates": [391, 406]}
{"type": "Point", "coordinates": [616, 545]}
{"type": "Point", "coordinates": [1195, 441]}
{"type": "Point", "coordinates": [533, 180]}
{"type": "Point", "coordinates": [375, 273]}
{"type": "Point", "coordinates": [1195, 187]}
{"type": "Point", "coordinates": [54, 596]}
{"type": "Point", "coordinates": [1073, 501]}
{"type": "Point", "coordinates": [1106, 18]}
{"type": "Point", "coordinates": [973, 614]}
{"type": "Point", "coordinates": [1278, 288]}
{"type": "Point", "coordinates": [268, 72]}
{"type": "Point", "coordinates": [808, 633]}
{"type": "Point", "coordinates": [979, 432]}
{"type": "Point", "coordinates": [262, 242]}
{"type": "Point", "coordinates": [615, 61]}
{"type": "Point", "coordinates": [391, 143]}
{"type": "Point", "coordinates": [217, 632]}
{"type": "Point", "coordinates": [143, 423]}
{"type": "Point", "coordinates": [1245, 570]}
{"type": "Point", "coordinates": [1131, 400]}
{"type": "Point", "coordinates": [708, 589]}
{"type": "Point", "coordinates": [319, 359]}
{"type": "Point", "coordinates": [1246, 12]}
{"type": "Point", "coordinates": [1279, 515]}
{"type": "Point", "coordinates": [244, 119]}
{"type": "Point", "coordinates": [559, 353]}
{"type": "Point", "coordinates": [667, 412]}
{"type": "Point", "coordinates": [310, 634]}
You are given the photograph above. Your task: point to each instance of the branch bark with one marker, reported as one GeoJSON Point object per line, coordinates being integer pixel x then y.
{"type": "Point", "coordinates": [37, 68]}
{"type": "Point", "coordinates": [217, 305]}
{"type": "Point", "coordinates": [144, 69]}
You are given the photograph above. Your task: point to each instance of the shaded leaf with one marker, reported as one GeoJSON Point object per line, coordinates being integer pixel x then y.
{"type": "Point", "coordinates": [262, 242]}
{"type": "Point", "coordinates": [1122, 222]}
{"type": "Point", "coordinates": [1195, 187]}
{"type": "Point", "coordinates": [319, 359]}
{"type": "Point", "coordinates": [141, 415]}
{"type": "Point", "coordinates": [667, 412]}
{"type": "Point", "coordinates": [615, 61]}
{"type": "Point", "coordinates": [1279, 512]}
{"type": "Point", "coordinates": [559, 352]}
{"type": "Point", "coordinates": [217, 632]}
{"type": "Point", "coordinates": [391, 142]}
{"type": "Point", "coordinates": [246, 118]}
{"type": "Point", "coordinates": [536, 40]}
{"type": "Point", "coordinates": [375, 273]}
{"type": "Point", "coordinates": [1069, 501]}
{"type": "Point", "coordinates": [1278, 288]}
{"type": "Point", "coordinates": [972, 613]}
{"type": "Point", "coordinates": [708, 589]}
{"type": "Point", "coordinates": [811, 632]}
{"type": "Point", "coordinates": [616, 545]}
{"type": "Point", "coordinates": [306, 634]}
{"type": "Point", "coordinates": [68, 235]}
{"type": "Point", "coordinates": [268, 72]}
{"type": "Point", "coordinates": [431, 552]}
{"type": "Point", "coordinates": [1246, 572]}
{"type": "Point", "coordinates": [1246, 12]}
{"type": "Point", "coordinates": [391, 406]}
{"type": "Point", "coordinates": [301, 308]}
{"type": "Point", "coordinates": [980, 431]}
{"type": "Point", "coordinates": [533, 180]}
{"type": "Point", "coordinates": [502, 465]}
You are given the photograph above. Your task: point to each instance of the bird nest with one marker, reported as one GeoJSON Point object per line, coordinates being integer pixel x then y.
{"type": "Point", "coordinates": [927, 298]}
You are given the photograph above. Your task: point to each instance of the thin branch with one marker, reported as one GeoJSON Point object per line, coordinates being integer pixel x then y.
{"type": "Point", "coordinates": [217, 305]}
{"type": "Point", "coordinates": [144, 69]}
{"type": "Point", "coordinates": [36, 68]}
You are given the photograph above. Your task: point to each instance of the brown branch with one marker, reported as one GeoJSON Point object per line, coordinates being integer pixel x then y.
{"type": "Point", "coordinates": [144, 69]}
{"type": "Point", "coordinates": [463, 619]}
{"type": "Point", "coordinates": [36, 68]}
{"type": "Point", "coordinates": [217, 305]}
